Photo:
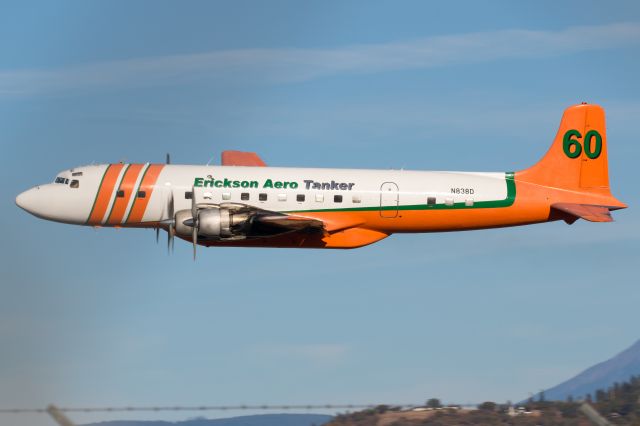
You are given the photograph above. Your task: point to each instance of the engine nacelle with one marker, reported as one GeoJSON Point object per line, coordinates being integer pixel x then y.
{"type": "Point", "coordinates": [213, 223]}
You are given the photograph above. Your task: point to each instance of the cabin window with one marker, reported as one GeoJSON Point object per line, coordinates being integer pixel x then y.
{"type": "Point", "coordinates": [282, 197]}
{"type": "Point", "coordinates": [300, 198]}
{"type": "Point", "coordinates": [448, 201]}
{"type": "Point", "coordinates": [75, 183]}
{"type": "Point", "coordinates": [262, 197]}
{"type": "Point", "coordinates": [337, 198]}
{"type": "Point", "coordinates": [142, 194]}
{"type": "Point", "coordinates": [356, 199]}
{"type": "Point", "coordinates": [431, 201]}
{"type": "Point", "coordinates": [120, 193]}
{"type": "Point", "coordinates": [226, 195]}
{"type": "Point", "coordinates": [188, 195]}
{"type": "Point", "coordinates": [319, 198]}
{"type": "Point", "coordinates": [468, 202]}
{"type": "Point", "coordinates": [244, 196]}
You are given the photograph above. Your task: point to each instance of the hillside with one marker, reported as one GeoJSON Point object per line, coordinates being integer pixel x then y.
{"type": "Point", "coordinates": [620, 404]}
{"type": "Point", "coordinates": [499, 416]}
{"type": "Point", "coordinates": [257, 420]}
{"type": "Point", "coordinates": [617, 369]}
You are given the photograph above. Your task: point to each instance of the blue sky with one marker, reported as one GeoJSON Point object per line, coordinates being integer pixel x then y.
{"type": "Point", "coordinates": [107, 318]}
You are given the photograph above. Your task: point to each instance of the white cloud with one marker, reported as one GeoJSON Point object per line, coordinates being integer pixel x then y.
{"type": "Point", "coordinates": [281, 65]}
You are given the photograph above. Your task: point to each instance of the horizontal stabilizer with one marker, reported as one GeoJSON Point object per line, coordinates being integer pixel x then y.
{"type": "Point", "coordinates": [241, 158]}
{"type": "Point", "coordinates": [590, 212]}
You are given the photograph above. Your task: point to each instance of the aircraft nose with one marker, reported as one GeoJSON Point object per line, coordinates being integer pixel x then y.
{"type": "Point", "coordinates": [27, 200]}
{"type": "Point", "coordinates": [22, 200]}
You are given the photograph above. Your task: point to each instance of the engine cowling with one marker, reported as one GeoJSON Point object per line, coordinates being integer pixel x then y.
{"type": "Point", "coordinates": [214, 223]}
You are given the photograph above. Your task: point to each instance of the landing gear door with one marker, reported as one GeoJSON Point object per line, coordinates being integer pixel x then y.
{"type": "Point", "coordinates": [389, 200]}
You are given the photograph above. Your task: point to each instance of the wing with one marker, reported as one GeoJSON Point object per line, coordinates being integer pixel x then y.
{"type": "Point", "coordinates": [319, 232]}
{"type": "Point", "coordinates": [246, 225]}
{"type": "Point", "coordinates": [248, 221]}
{"type": "Point", "coordinates": [240, 158]}
{"type": "Point", "coordinates": [287, 222]}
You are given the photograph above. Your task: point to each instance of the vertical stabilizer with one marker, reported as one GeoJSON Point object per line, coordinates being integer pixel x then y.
{"type": "Point", "coordinates": [577, 159]}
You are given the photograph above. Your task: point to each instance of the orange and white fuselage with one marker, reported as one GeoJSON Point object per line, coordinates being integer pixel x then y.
{"type": "Point", "coordinates": [247, 204]}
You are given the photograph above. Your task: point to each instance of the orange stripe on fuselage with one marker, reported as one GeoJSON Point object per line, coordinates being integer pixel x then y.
{"type": "Point", "coordinates": [127, 185]}
{"type": "Point", "coordinates": [147, 185]}
{"type": "Point", "coordinates": [104, 194]}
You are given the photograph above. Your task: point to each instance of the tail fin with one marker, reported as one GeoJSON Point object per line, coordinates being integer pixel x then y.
{"type": "Point", "coordinates": [577, 159]}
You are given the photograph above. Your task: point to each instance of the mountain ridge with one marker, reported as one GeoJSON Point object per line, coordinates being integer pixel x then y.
{"type": "Point", "coordinates": [618, 368]}
{"type": "Point", "coordinates": [254, 420]}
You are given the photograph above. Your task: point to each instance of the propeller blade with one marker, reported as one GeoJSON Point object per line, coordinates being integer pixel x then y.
{"type": "Point", "coordinates": [194, 205]}
{"type": "Point", "coordinates": [171, 231]}
{"type": "Point", "coordinates": [194, 236]}
{"type": "Point", "coordinates": [168, 158]}
{"type": "Point", "coordinates": [157, 234]}
{"type": "Point", "coordinates": [171, 206]}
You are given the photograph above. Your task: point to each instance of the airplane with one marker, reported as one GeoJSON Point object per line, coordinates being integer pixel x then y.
{"type": "Point", "coordinates": [245, 203]}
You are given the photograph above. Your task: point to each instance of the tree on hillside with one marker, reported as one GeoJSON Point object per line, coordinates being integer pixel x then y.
{"type": "Point", "coordinates": [568, 410]}
{"type": "Point", "coordinates": [381, 409]}
{"type": "Point", "coordinates": [487, 406]}
{"type": "Point", "coordinates": [434, 403]}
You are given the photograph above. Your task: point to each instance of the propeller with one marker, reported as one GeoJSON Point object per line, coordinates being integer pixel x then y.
{"type": "Point", "coordinates": [172, 223]}
{"type": "Point", "coordinates": [194, 215]}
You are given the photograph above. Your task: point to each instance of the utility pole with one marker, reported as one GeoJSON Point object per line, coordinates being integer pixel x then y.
{"type": "Point", "coordinates": [58, 416]}
{"type": "Point", "coordinates": [593, 415]}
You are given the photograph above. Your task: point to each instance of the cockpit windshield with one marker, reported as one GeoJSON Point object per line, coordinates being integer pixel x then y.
{"type": "Point", "coordinates": [62, 180]}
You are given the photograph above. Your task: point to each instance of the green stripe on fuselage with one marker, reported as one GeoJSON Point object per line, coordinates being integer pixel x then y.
{"type": "Point", "coordinates": [508, 201]}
